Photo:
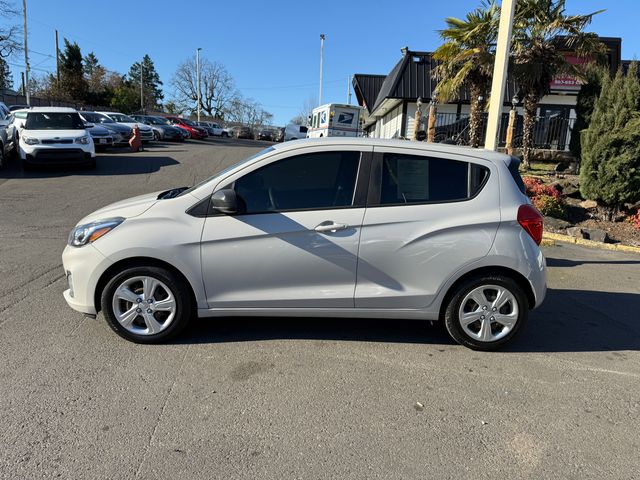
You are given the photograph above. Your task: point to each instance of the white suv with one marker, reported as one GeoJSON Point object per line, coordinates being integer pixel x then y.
{"type": "Point", "coordinates": [55, 135]}
{"type": "Point", "coordinates": [333, 227]}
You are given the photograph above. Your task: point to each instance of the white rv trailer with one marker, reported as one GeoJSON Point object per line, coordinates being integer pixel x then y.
{"type": "Point", "coordinates": [334, 120]}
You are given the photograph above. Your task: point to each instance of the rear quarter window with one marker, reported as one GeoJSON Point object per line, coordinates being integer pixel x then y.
{"type": "Point", "coordinates": [514, 170]}
{"type": "Point", "coordinates": [407, 179]}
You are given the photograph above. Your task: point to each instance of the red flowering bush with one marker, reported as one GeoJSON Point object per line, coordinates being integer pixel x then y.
{"type": "Point", "coordinates": [545, 198]}
{"type": "Point", "coordinates": [635, 220]}
{"type": "Point", "coordinates": [535, 187]}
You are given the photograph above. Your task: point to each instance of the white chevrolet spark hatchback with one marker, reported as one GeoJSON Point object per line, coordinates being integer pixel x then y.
{"type": "Point", "coordinates": [328, 227]}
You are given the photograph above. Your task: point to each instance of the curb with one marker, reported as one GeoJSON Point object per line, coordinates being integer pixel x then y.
{"type": "Point", "coordinates": [549, 239]}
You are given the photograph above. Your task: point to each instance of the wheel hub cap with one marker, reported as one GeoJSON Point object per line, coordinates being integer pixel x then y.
{"type": "Point", "coordinates": [144, 305]}
{"type": "Point", "coordinates": [488, 313]}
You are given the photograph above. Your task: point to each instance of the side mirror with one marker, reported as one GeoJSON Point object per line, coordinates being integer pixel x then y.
{"type": "Point", "coordinates": [225, 201]}
{"type": "Point", "coordinates": [88, 125]}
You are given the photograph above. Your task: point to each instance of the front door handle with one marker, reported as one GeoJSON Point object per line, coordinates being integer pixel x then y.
{"type": "Point", "coordinates": [330, 227]}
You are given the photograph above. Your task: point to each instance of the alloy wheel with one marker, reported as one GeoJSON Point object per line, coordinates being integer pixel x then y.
{"type": "Point", "coordinates": [488, 313]}
{"type": "Point", "coordinates": [144, 305]}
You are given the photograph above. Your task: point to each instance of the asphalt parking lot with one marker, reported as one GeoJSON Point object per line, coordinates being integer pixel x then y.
{"type": "Point", "coordinates": [293, 398]}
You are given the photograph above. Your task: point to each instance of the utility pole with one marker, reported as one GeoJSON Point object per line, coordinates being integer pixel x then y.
{"type": "Point", "coordinates": [198, 79]}
{"type": "Point", "coordinates": [499, 73]}
{"type": "Point", "coordinates": [321, 55]}
{"type": "Point", "coordinates": [57, 60]}
{"type": "Point", "coordinates": [141, 90]}
{"type": "Point", "coordinates": [349, 90]}
{"type": "Point", "coordinates": [23, 89]}
{"type": "Point", "coordinates": [26, 53]}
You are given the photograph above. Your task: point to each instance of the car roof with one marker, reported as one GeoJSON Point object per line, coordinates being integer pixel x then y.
{"type": "Point", "coordinates": [382, 142]}
{"type": "Point", "coordinates": [51, 109]}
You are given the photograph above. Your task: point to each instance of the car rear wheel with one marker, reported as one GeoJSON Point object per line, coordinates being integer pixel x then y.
{"type": "Point", "coordinates": [486, 312]}
{"type": "Point", "coordinates": [147, 304]}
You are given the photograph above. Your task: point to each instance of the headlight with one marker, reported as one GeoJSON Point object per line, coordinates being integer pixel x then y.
{"type": "Point", "coordinates": [83, 140]}
{"type": "Point", "coordinates": [83, 234]}
{"type": "Point", "coordinates": [30, 140]}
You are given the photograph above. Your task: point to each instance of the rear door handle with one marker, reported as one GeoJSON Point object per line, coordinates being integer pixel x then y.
{"type": "Point", "coordinates": [330, 227]}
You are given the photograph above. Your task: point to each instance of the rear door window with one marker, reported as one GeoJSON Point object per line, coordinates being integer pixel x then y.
{"type": "Point", "coordinates": [407, 179]}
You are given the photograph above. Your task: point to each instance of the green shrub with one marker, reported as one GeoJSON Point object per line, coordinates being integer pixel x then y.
{"type": "Point", "coordinates": [550, 206]}
{"type": "Point", "coordinates": [610, 170]}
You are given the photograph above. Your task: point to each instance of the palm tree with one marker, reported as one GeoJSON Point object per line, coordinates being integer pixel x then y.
{"type": "Point", "coordinates": [466, 59]}
{"type": "Point", "coordinates": [542, 35]}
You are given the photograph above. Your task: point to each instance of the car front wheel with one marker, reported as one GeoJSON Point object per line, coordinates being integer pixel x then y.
{"type": "Point", "coordinates": [147, 304]}
{"type": "Point", "coordinates": [486, 312]}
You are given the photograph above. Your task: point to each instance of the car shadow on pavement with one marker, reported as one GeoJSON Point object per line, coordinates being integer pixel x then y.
{"type": "Point", "coordinates": [582, 321]}
{"type": "Point", "coordinates": [565, 262]}
{"type": "Point", "coordinates": [567, 321]}
{"type": "Point", "coordinates": [252, 329]}
{"type": "Point", "coordinates": [122, 164]}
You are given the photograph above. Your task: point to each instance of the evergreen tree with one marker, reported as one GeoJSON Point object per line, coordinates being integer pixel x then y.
{"type": "Point", "coordinates": [95, 74]}
{"type": "Point", "coordinates": [6, 82]}
{"type": "Point", "coordinates": [610, 170]}
{"type": "Point", "coordinates": [151, 84]}
{"type": "Point", "coordinates": [73, 85]}
{"type": "Point", "coordinates": [91, 64]}
{"type": "Point", "coordinates": [594, 76]}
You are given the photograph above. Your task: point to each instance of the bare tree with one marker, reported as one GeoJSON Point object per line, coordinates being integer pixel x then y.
{"type": "Point", "coordinates": [302, 118]}
{"type": "Point", "coordinates": [248, 112]}
{"type": "Point", "coordinates": [10, 35]}
{"type": "Point", "coordinates": [217, 87]}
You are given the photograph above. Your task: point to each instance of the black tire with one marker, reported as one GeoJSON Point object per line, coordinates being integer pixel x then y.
{"type": "Point", "coordinates": [92, 163]}
{"type": "Point", "coordinates": [2, 157]}
{"type": "Point", "coordinates": [26, 166]}
{"type": "Point", "coordinates": [156, 135]}
{"type": "Point", "coordinates": [224, 135]}
{"type": "Point", "coordinates": [452, 320]}
{"type": "Point", "coordinates": [184, 308]}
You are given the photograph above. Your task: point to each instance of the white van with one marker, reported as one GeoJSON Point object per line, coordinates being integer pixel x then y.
{"type": "Point", "coordinates": [294, 132]}
{"type": "Point", "coordinates": [335, 120]}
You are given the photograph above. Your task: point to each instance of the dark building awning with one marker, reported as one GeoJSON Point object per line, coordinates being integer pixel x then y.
{"type": "Point", "coordinates": [367, 88]}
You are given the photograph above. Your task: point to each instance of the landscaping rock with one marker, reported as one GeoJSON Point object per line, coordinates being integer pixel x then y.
{"type": "Point", "coordinates": [589, 204]}
{"type": "Point", "coordinates": [594, 234]}
{"type": "Point", "coordinates": [568, 188]}
{"type": "Point", "coordinates": [556, 223]}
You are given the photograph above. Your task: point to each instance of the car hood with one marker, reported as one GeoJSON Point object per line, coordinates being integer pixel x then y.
{"type": "Point", "coordinates": [142, 126]}
{"type": "Point", "coordinates": [53, 134]}
{"type": "Point", "coordinates": [131, 207]}
{"type": "Point", "coordinates": [116, 127]}
{"type": "Point", "coordinates": [98, 130]}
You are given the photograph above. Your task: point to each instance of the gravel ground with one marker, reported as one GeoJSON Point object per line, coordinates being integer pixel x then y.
{"type": "Point", "coordinates": [300, 398]}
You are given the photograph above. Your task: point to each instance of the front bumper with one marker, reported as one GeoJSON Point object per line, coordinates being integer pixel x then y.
{"type": "Point", "coordinates": [103, 141]}
{"type": "Point", "coordinates": [83, 267]}
{"type": "Point", "coordinates": [41, 155]}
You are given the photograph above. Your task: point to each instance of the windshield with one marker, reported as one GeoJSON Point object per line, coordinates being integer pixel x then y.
{"type": "Point", "coordinates": [188, 122]}
{"type": "Point", "coordinates": [228, 169]}
{"type": "Point", "coordinates": [54, 121]}
{"type": "Point", "coordinates": [96, 117]}
{"type": "Point", "coordinates": [118, 117]}
{"type": "Point", "coordinates": [157, 121]}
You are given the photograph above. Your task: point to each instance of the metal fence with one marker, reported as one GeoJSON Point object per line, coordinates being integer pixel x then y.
{"type": "Point", "coordinates": [549, 133]}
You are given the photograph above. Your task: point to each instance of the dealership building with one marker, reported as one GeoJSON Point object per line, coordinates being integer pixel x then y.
{"type": "Point", "coordinates": [390, 101]}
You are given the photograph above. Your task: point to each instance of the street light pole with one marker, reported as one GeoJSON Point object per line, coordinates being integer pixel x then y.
{"type": "Point", "coordinates": [26, 53]}
{"type": "Point", "coordinates": [499, 73]}
{"type": "Point", "coordinates": [141, 89]}
{"type": "Point", "coordinates": [321, 58]}
{"type": "Point", "coordinates": [198, 79]}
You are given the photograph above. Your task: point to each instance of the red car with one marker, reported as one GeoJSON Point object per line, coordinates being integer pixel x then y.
{"type": "Point", "coordinates": [195, 131]}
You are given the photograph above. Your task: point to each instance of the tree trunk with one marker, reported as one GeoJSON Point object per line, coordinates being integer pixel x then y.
{"type": "Point", "coordinates": [475, 117]}
{"type": "Point", "coordinates": [530, 110]}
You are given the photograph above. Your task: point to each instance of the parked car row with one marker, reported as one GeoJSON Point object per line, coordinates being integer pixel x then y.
{"type": "Point", "coordinates": [103, 129]}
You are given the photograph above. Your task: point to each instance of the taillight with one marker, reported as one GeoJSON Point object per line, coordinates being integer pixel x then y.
{"type": "Point", "coordinates": [531, 220]}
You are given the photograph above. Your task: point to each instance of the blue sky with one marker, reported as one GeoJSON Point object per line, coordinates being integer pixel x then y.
{"type": "Point", "coordinates": [270, 47]}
